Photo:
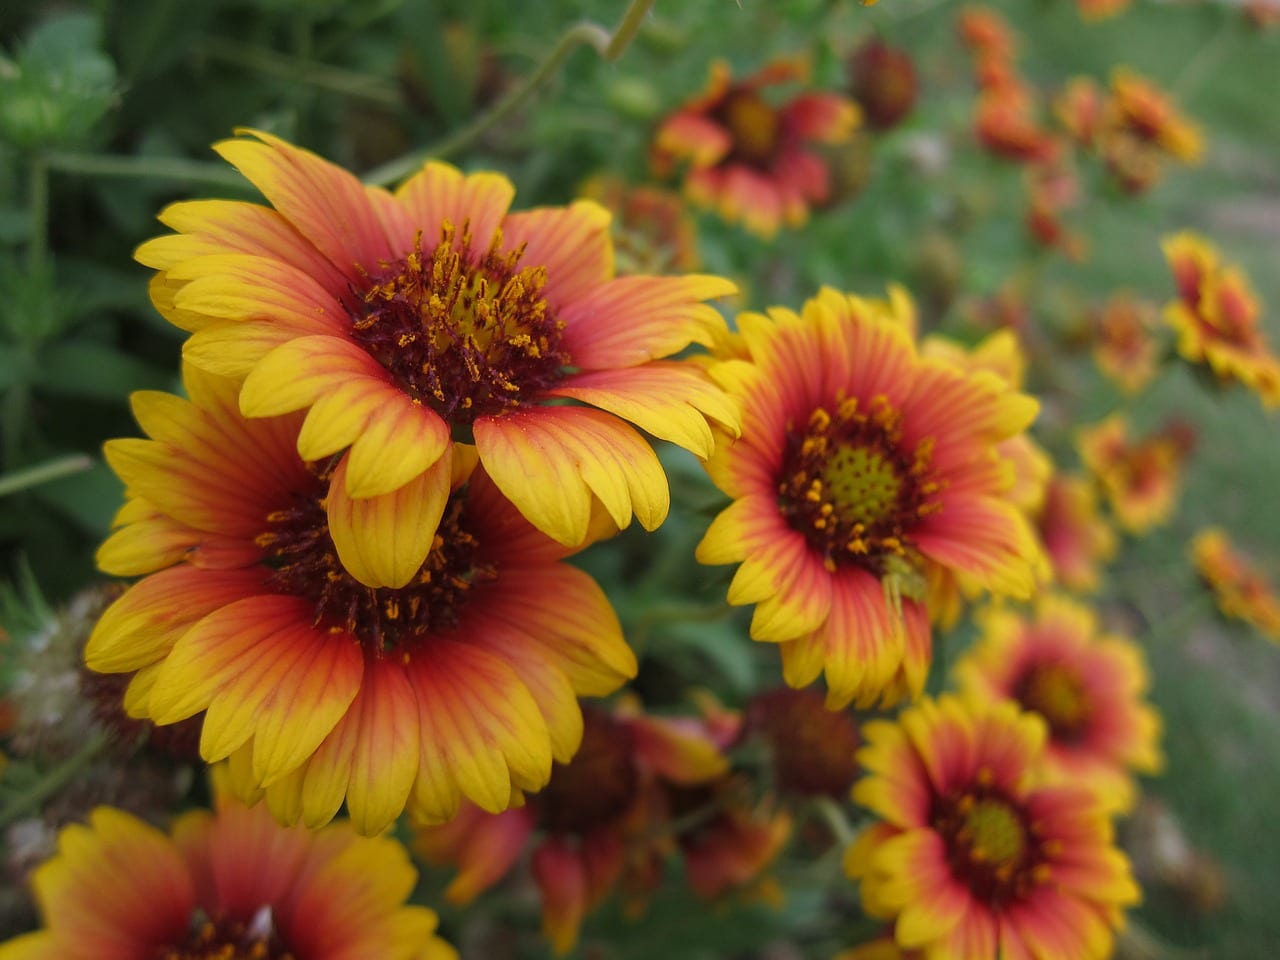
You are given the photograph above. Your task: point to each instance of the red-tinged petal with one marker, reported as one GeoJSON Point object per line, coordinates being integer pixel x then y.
{"type": "Point", "coordinates": [863, 639]}
{"type": "Point", "coordinates": [562, 878]}
{"type": "Point", "coordinates": [572, 625]}
{"type": "Point", "coordinates": [298, 373]}
{"type": "Point", "coordinates": [573, 243]}
{"type": "Point", "coordinates": [144, 541]}
{"type": "Point", "coordinates": [439, 193]}
{"type": "Point", "coordinates": [695, 136]}
{"type": "Point", "coordinates": [683, 753]}
{"type": "Point", "coordinates": [985, 539]}
{"type": "Point", "coordinates": [384, 763]}
{"type": "Point", "coordinates": [236, 286]}
{"type": "Point", "coordinates": [233, 349]}
{"type": "Point", "coordinates": [141, 626]}
{"type": "Point", "coordinates": [800, 600]}
{"type": "Point", "coordinates": [492, 846]}
{"type": "Point", "coordinates": [402, 442]}
{"type": "Point", "coordinates": [221, 647]}
{"type": "Point", "coordinates": [219, 226]}
{"type": "Point", "coordinates": [117, 884]}
{"type": "Point", "coordinates": [548, 462]}
{"type": "Point", "coordinates": [670, 400]}
{"type": "Point", "coordinates": [383, 541]}
{"type": "Point", "coordinates": [824, 117]}
{"type": "Point", "coordinates": [631, 320]}
{"type": "Point", "coordinates": [325, 203]}
{"type": "Point", "coordinates": [975, 935]}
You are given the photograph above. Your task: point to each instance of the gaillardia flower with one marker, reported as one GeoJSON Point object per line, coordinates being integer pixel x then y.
{"type": "Point", "coordinates": [1140, 478]}
{"type": "Point", "coordinates": [1242, 590]}
{"type": "Point", "coordinates": [974, 858]}
{"type": "Point", "coordinates": [864, 471]}
{"type": "Point", "coordinates": [227, 884]}
{"type": "Point", "coordinates": [320, 688]}
{"type": "Point", "coordinates": [1124, 347]}
{"type": "Point", "coordinates": [750, 160]}
{"type": "Point", "coordinates": [1088, 687]}
{"type": "Point", "coordinates": [400, 322]}
{"type": "Point", "coordinates": [1217, 318]}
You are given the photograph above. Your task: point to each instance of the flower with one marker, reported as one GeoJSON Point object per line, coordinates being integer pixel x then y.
{"type": "Point", "coordinates": [811, 749]}
{"type": "Point", "coordinates": [986, 33]}
{"type": "Point", "coordinates": [462, 682]}
{"type": "Point", "coordinates": [1217, 318]}
{"type": "Point", "coordinates": [402, 321]}
{"type": "Point", "coordinates": [604, 819]}
{"type": "Point", "coordinates": [1141, 478]}
{"type": "Point", "coordinates": [1088, 686]}
{"type": "Point", "coordinates": [749, 159]}
{"type": "Point", "coordinates": [1123, 346]}
{"type": "Point", "coordinates": [231, 883]}
{"type": "Point", "coordinates": [863, 472]}
{"type": "Point", "coordinates": [1242, 590]}
{"type": "Point", "coordinates": [1005, 123]}
{"type": "Point", "coordinates": [972, 855]}
{"type": "Point", "coordinates": [1078, 108]}
{"type": "Point", "coordinates": [652, 227]}
{"type": "Point", "coordinates": [1092, 11]}
{"type": "Point", "coordinates": [1140, 110]}
{"type": "Point", "coordinates": [1076, 537]}
{"type": "Point", "coordinates": [883, 81]}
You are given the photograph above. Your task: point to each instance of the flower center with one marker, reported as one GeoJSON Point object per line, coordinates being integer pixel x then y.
{"type": "Point", "coordinates": [230, 940]}
{"type": "Point", "coordinates": [598, 784]}
{"type": "Point", "coordinates": [753, 124]}
{"type": "Point", "coordinates": [811, 748]}
{"type": "Point", "coordinates": [469, 335]}
{"type": "Point", "coordinates": [1056, 693]}
{"type": "Point", "coordinates": [991, 846]}
{"type": "Point", "coordinates": [303, 561]}
{"type": "Point", "coordinates": [849, 485]}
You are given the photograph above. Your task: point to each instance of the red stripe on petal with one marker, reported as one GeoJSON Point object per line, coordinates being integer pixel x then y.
{"type": "Point", "coordinates": [573, 244]}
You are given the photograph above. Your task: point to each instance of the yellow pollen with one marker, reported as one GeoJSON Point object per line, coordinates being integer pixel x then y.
{"type": "Point", "coordinates": [1057, 694]}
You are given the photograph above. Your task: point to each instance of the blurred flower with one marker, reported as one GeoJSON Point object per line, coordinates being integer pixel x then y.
{"type": "Point", "coordinates": [652, 229]}
{"type": "Point", "coordinates": [609, 817]}
{"type": "Point", "coordinates": [1123, 345]}
{"type": "Point", "coordinates": [1138, 108]}
{"type": "Point", "coordinates": [973, 857]}
{"type": "Point", "coordinates": [320, 688]}
{"type": "Point", "coordinates": [1242, 590]}
{"type": "Point", "coordinates": [811, 748]}
{"type": "Point", "coordinates": [1091, 11]}
{"type": "Point", "coordinates": [885, 948]}
{"type": "Point", "coordinates": [226, 884]}
{"type": "Point", "coordinates": [1005, 123]}
{"type": "Point", "coordinates": [1218, 318]}
{"type": "Point", "coordinates": [986, 32]}
{"type": "Point", "coordinates": [1088, 687]}
{"type": "Point", "coordinates": [395, 320]}
{"type": "Point", "coordinates": [751, 160]}
{"type": "Point", "coordinates": [1141, 478]}
{"type": "Point", "coordinates": [862, 468]}
{"type": "Point", "coordinates": [883, 81]}
{"type": "Point", "coordinates": [1076, 537]}
{"type": "Point", "coordinates": [1079, 108]}
{"type": "Point", "coordinates": [1051, 189]}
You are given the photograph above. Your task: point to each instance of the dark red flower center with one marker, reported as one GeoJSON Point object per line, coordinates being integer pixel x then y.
{"type": "Point", "coordinates": [1057, 693]}
{"type": "Point", "coordinates": [850, 485]}
{"type": "Point", "coordinates": [304, 563]}
{"type": "Point", "coordinates": [754, 127]}
{"type": "Point", "coordinates": [230, 940]}
{"type": "Point", "coordinates": [468, 334]}
{"type": "Point", "coordinates": [598, 784]}
{"type": "Point", "coordinates": [811, 748]}
{"type": "Point", "coordinates": [992, 845]}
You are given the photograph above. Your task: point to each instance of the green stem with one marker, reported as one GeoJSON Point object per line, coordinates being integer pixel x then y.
{"type": "Point", "coordinates": [609, 45]}
{"type": "Point", "coordinates": [43, 473]}
{"type": "Point", "coordinates": [830, 813]}
{"type": "Point", "coordinates": [51, 782]}
{"type": "Point", "coordinates": [298, 69]}
{"type": "Point", "coordinates": [145, 168]}
{"type": "Point", "coordinates": [38, 188]}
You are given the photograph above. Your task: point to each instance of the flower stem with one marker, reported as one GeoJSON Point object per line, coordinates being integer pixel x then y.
{"type": "Point", "coordinates": [43, 473]}
{"type": "Point", "coordinates": [300, 70]}
{"type": "Point", "coordinates": [609, 45]}
{"type": "Point", "coordinates": [145, 168]}
{"type": "Point", "coordinates": [51, 782]}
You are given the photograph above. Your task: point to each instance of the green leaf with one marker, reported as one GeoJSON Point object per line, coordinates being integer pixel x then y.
{"type": "Point", "coordinates": [83, 369]}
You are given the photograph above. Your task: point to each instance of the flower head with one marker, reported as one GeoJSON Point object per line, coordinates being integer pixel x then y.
{"type": "Point", "coordinates": [652, 227]}
{"type": "Point", "coordinates": [401, 322]}
{"type": "Point", "coordinates": [749, 159]}
{"type": "Point", "coordinates": [883, 81]}
{"type": "Point", "coordinates": [1217, 318]}
{"type": "Point", "coordinates": [226, 884]}
{"type": "Point", "coordinates": [1140, 110]}
{"type": "Point", "coordinates": [1123, 346]}
{"type": "Point", "coordinates": [863, 471]}
{"type": "Point", "coordinates": [1088, 687]}
{"type": "Point", "coordinates": [1242, 590]}
{"type": "Point", "coordinates": [973, 857]}
{"type": "Point", "coordinates": [811, 748]}
{"type": "Point", "coordinates": [1141, 478]}
{"type": "Point", "coordinates": [1077, 538]}
{"type": "Point", "coordinates": [320, 688]}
